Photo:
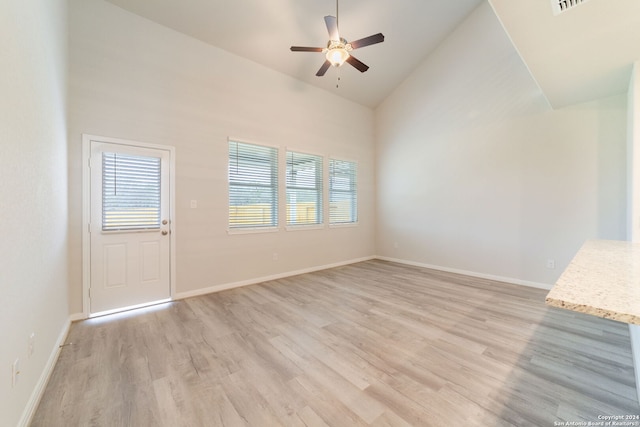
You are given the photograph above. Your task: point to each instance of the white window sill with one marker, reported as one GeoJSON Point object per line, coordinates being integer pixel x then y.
{"type": "Point", "coordinates": [344, 225]}
{"type": "Point", "coordinates": [305, 227]}
{"type": "Point", "coordinates": [253, 230]}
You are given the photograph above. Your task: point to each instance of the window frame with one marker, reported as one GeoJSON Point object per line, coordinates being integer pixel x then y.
{"type": "Point", "coordinates": [274, 186]}
{"type": "Point", "coordinates": [353, 192]}
{"type": "Point", "coordinates": [138, 179]}
{"type": "Point", "coordinates": [319, 188]}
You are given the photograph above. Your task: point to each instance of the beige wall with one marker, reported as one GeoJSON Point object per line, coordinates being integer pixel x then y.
{"type": "Point", "coordinates": [136, 80]}
{"type": "Point", "coordinates": [477, 174]}
{"type": "Point", "coordinates": [33, 195]}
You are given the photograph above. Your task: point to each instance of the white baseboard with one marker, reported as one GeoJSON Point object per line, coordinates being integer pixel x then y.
{"type": "Point", "coordinates": [226, 286]}
{"type": "Point", "coordinates": [77, 316]}
{"type": "Point", "coordinates": [36, 395]}
{"type": "Point", "coordinates": [510, 280]}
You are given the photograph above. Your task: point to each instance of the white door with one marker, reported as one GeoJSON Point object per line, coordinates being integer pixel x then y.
{"type": "Point", "coordinates": [129, 231]}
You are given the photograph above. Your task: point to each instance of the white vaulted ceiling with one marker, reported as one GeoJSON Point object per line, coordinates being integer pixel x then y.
{"type": "Point", "coordinates": [263, 31]}
{"type": "Point", "coordinates": [582, 54]}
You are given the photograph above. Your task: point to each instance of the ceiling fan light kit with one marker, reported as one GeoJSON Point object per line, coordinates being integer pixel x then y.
{"type": "Point", "coordinates": [338, 50]}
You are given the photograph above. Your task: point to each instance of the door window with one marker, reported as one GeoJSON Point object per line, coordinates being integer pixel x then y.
{"type": "Point", "coordinates": [130, 192]}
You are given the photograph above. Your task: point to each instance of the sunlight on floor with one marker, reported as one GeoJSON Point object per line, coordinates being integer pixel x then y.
{"type": "Point", "coordinates": [125, 312]}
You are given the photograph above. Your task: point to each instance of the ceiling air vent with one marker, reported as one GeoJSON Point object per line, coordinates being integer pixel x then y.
{"type": "Point", "coordinates": [560, 6]}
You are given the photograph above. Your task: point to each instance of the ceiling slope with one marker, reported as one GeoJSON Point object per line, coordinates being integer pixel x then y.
{"type": "Point", "coordinates": [579, 55]}
{"type": "Point", "coordinates": [263, 31]}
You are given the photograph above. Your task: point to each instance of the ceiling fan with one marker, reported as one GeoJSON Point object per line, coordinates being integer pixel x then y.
{"type": "Point", "coordinates": [338, 49]}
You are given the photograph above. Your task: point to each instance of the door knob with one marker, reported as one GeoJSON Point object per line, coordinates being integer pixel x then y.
{"type": "Point", "coordinates": [164, 232]}
{"type": "Point", "coordinates": [165, 222]}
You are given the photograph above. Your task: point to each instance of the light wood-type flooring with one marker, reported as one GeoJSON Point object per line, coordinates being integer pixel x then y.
{"type": "Point", "coordinates": [369, 344]}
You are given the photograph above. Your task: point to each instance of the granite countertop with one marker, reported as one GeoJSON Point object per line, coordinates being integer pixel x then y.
{"type": "Point", "coordinates": [603, 279]}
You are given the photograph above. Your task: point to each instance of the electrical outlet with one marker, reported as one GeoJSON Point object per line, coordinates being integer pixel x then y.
{"type": "Point", "coordinates": [551, 263]}
{"type": "Point", "coordinates": [32, 344]}
{"type": "Point", "coordinates": [15, 372]}
{"type": "Point", "coordinates": [275, 256]}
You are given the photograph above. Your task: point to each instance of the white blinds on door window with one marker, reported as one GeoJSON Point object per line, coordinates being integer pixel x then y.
{"type": "Point", "coordinates": [304, 189]}
{"type": "Point", "coordinates": [130, 192]}
{"type": "Point", "coordinates": [253, 185]}
{"type": "Point", "coordinates": [343, 192]}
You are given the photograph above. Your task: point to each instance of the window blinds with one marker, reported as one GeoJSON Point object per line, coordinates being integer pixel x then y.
{"type": "Point", "coordinates": [130, 192]}
{"type": "Point", "coordinates": [304, 189]}
{"type": "Point", "coordinates": [343, 195]}
{"type": "Point", "coordinates": [253, 185]}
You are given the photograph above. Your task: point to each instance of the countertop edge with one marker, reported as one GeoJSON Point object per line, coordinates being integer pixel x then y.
{"type": "Point", "coordinates": [600, 312]}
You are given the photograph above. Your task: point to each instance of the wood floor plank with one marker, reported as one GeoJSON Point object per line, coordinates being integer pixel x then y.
{"type": "Point", "coordinates": [369, 344]}
{"type": "Point", "coordinates": [311, 419]}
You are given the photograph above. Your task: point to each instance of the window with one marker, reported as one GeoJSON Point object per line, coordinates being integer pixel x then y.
{"type": "Point", "coordinates": [130, 192]}
{"type": "Point", "coordinates": [253, 186]}
{"type": "Point", "coordinates": [304, 189]}
{"type": "Point", "coordinates": [343, 194]}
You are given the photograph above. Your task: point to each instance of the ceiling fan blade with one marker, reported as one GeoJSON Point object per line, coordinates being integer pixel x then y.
{"type": "Point", "coordinates": [376, 38]}
{"type": "Point", "coordinates": [323, 69]}
{"type": "Point", "coordinates": [305, 49]}
{"type": "Point", "coordinates": [359, 65]}
{"type": "Point", "coordinates": [332, 27]}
